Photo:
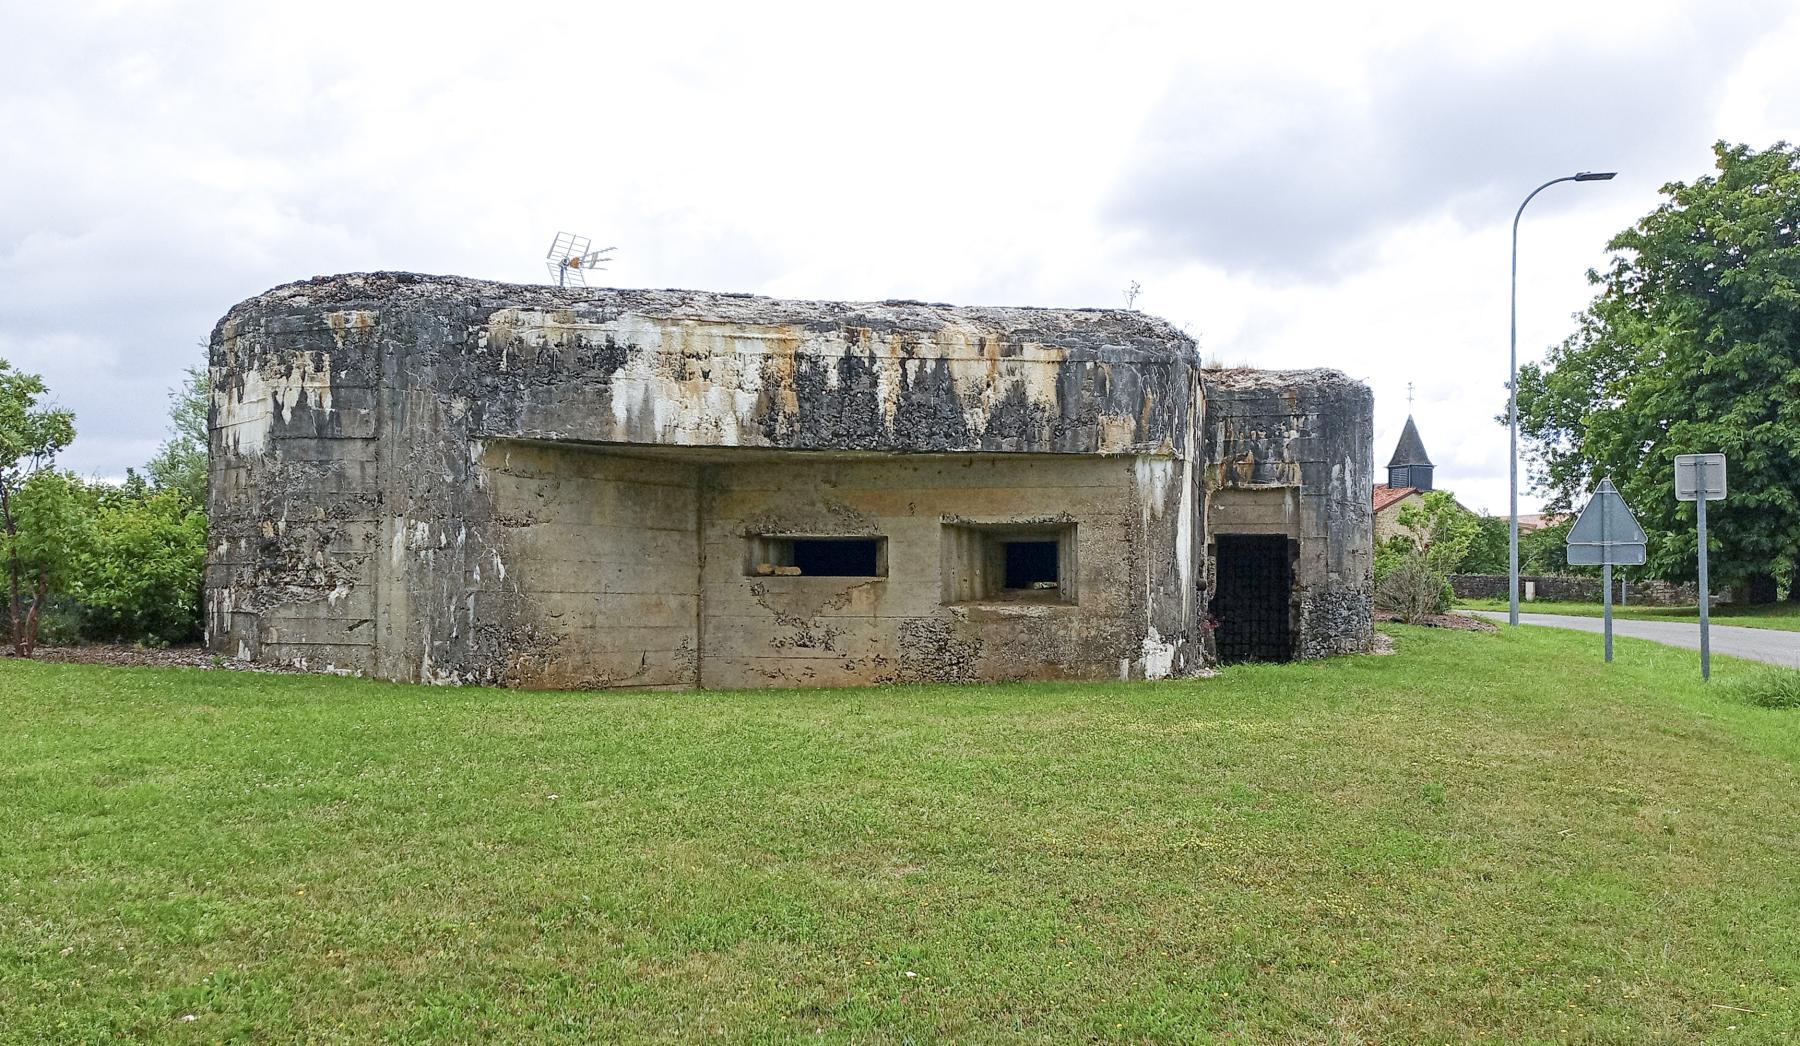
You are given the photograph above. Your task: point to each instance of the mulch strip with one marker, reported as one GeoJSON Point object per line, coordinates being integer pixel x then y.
{"type": "Point", "coordinates": [125, 655]}
{"type": "Point", "coordinates": [1455, 622]}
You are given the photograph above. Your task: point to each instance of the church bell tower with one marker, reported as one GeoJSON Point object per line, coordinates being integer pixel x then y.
{"type": "Point", "coordinates": [1410, 467]}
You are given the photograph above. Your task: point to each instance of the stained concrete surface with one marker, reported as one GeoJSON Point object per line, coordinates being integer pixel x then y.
{"type": "Point", "coordinates": [457, 481]}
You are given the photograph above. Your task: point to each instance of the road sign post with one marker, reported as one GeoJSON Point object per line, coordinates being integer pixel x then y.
{"type": "Point", "coordinates": [1705, 596]}
{"type": "Point", "coordinates": [1607, 571]}
{"type": "Point", "coordinates": [1700, 478]}
{"type": "Point", "coordinates": [1604, 535]}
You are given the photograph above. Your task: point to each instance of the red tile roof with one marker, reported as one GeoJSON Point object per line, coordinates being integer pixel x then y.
{"type": "Point", "coordinates": [1386, 495]}
{"type": "Point", "coordinates": [1539, 521]}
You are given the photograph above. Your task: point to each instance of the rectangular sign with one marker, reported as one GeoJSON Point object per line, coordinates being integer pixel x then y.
{"type": "Point", "coordinates": [1621, 555]}
{"type": "Point", "coordinates": [1697, 474]}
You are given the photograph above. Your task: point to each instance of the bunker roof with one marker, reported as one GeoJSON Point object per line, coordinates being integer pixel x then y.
{"type": "Point", "coordinates": [1096, 328]}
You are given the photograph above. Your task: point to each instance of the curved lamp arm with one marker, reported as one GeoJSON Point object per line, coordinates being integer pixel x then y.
{"type": "Point", "coordinates": [1512, 391]}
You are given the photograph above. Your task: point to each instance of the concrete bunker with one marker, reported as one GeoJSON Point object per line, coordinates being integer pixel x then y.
{"type": "Point", "coordinates": [449, 480]}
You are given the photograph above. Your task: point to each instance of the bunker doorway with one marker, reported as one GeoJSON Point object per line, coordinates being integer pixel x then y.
{"type": "Point", "coordinates": [1253, 597]}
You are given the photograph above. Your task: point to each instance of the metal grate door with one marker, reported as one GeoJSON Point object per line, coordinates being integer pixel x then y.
{"type": "Point", "coordinates": [1253, 598]}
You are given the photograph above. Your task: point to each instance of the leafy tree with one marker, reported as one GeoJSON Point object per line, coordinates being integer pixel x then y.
{"type": "Point", "coordinates": [1546, 551]}
{"type": "Point", "coordinates": [180, 464]}
{"type": "Point", "coordinates": [48, 518]}
{"type": "Point", "coordinates": [1412, 568]}
{"type": "Point", "coordinates": [140, 576]}
{"type": "Point", "coordinates": [1692, 344]}
{"type": "Point", "coordinates": [1487, 547]}
{"type": "Point", "coordinates": [30, 437]}
{"type": "Point", "coordinates": [1438, 529]}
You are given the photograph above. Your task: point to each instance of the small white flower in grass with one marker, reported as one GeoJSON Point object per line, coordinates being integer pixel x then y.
{"type": "Point", "coordinates": [190, 1017]}
{"type": "Point", "coordinates": [553, 795]}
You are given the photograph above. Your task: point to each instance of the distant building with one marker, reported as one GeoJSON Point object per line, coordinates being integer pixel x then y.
{"type": "Point", "coordinates": [1410, 466]}
{"type": "Point", "coordinates": [1409, 478]}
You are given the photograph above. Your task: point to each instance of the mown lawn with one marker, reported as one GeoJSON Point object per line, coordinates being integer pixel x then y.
{"type": "Point", "coordinates": [1482, 838]}
{"type": "Point", "coordinates": [1781, 616]}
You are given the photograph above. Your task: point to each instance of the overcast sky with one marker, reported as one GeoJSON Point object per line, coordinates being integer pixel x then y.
{"type": "Point", "coordinates": [1295, 186]}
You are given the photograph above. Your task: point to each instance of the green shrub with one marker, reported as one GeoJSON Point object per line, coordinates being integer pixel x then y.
{"type": "Point", "coordinates": [62, 621]}
{"type": "Point", "coordinates": [48, 525]}
{"type": "Point", "coordinates": [1410, 588]}
{"type": "Point", "coordinates": [141, 576]}
{"type": "Point", "coordinates": [1768, 688]}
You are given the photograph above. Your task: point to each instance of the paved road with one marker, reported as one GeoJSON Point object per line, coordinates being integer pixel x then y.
{"type": "Point", "coordinates": [1757, 644]}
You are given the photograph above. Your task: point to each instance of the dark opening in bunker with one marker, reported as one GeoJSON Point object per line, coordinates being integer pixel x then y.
{"type": "Point", "coordinates": [1253, 597]}
{"type": "Point", "coordinates": [818, 557]}
{"type": "Point", "coordinates": [836, 557]}
{"type": "Point", "coordinates": [1010, 562]}
{"type": "Point", "coordinates": [1032, 565]}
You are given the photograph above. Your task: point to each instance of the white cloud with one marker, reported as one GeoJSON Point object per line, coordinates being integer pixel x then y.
{"type": "Point", "coordinates": [1321, 188]}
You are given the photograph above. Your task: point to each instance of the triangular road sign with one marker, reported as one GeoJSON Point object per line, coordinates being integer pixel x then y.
{"type": "Point", "coordinates": [1606, 531]}
{"type": "Point", "coordinates": [1606, 520]}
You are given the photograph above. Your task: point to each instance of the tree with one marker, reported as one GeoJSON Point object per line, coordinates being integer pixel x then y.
{"type": "Point", "coordinates": [1438, 529]}
{"type": "Point", "coordinates": [1488, 547]}
{"type": "Point", "coordinates": [1692, 344]}
{"type": "Point", "coordinates": [1412, 568]}
{"type": "Point", "coordinates": [30, 437]}
{"type": "Point", "coordinates": [47, 528]}
{"type": "Point", "coordinates": [140, 573]}
{"type": "Point", "coordinates": [1546, 551]}
{"type": "Point", "coordinates": [180, 464]}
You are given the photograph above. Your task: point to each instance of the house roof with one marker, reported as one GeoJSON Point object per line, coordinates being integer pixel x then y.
{"type": "Point", "coordinates": [1411, 449]}
{"type": "Point", "coordinates": [1386, 496]}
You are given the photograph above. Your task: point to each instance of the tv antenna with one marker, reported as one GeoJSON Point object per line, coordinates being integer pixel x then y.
{"type": "Point", "coordinates": [569, 259]}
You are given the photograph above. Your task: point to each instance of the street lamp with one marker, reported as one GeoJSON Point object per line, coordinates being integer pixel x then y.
{"type": "Point", "coordinates": [1512, 390]}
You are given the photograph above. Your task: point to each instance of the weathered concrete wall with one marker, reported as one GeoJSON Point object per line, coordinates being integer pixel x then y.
{"type": "Point", "coordinates": [819, 631]}
{"type": "Point", "coordinates": [404, 485]}
{"type": "Point", "coordinates": [623, 567]}
{"type": "Point", "coordinates": [1292, 452]}
{"type": "Point", "coordinates": [295, 499]}
{"type": "Point", "coordinates": [448, 480]}
{"type": "Point", "coordinates": [595, 576]}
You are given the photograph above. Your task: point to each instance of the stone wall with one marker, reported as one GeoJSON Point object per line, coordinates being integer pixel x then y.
{"type": "Point", "coordinates": [1576, 588]}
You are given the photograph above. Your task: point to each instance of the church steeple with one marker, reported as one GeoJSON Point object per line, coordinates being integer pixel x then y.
{"type": "Point", "coordinates": [1410, 467]}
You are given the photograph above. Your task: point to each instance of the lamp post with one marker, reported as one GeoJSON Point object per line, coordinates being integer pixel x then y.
{"type": "Point", "coordinates": [1512, 391]}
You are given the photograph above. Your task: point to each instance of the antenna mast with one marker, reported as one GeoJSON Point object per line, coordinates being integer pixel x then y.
{"type": "Point", "coordinates": [569, 259]}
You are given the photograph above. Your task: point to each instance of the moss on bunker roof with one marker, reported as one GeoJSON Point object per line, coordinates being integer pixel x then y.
{"type": "Point", "coordinates": [1068, 327]}
{"type": "Point", "coordinates": [1256, 380]}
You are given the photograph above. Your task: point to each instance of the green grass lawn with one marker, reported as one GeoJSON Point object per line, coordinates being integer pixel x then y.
{"type": "Point", "coordinates": [1482, 838]}
{"type": "Point", "coordinates": [1782, 616]}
